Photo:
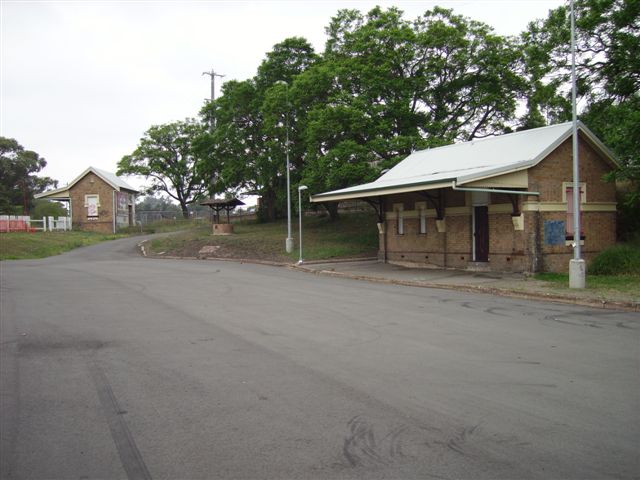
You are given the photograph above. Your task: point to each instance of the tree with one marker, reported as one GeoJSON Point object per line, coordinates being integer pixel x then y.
{"type": "Point", "coordinates": [18, 182]}
{"type": "Point", "coordinates": [392, 86]}
{"type": "Point", "coordinates": [152, 203]}
{"type": "Point", "coordinates": [608, 76]}
{"type": "Point", "coordinates": [46, 208]}
{"type": "Point", "coordinates": [249, 141]}
{"type": "Point", "coordinates": [170, 157]}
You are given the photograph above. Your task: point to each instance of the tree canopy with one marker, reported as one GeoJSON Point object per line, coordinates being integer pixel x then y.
{"type": "Point", "coordinates": [18, 180]}
{"type": "Point", "coordinates": [608, 75]}
{"type": "Point", "coordinates": [171, 156]}
{"type": "Point", "coordinates": [385, 86]}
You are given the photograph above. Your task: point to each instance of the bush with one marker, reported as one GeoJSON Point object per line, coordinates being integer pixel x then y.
{"type": "Point", "coordinates": [628, 219]}
{"type": "Point", "coordinates": [46, 208]}
{"type": "Point", "coordinates": [623, 259]}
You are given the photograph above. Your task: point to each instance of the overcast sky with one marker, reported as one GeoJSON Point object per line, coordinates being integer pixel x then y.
{"type": "Point", "coordinates": [81, 81]}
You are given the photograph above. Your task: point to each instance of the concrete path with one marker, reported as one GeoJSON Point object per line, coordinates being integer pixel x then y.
{"type": "Point", "coordinates": [497, 283]}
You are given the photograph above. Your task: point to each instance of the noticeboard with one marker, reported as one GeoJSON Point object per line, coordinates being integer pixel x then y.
{"type": "Point", "coordinates": [554, 232]}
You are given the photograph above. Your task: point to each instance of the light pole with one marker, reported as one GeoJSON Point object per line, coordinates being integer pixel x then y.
{"type": "Point", "coordinates": [577, 266]}
{"type": "Point", "coordinates": [300, 189]}
{"type": "Point", "coordinates": [289, 241]}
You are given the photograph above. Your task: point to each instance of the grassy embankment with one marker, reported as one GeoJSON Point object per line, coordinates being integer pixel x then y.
{"type": "Point", "coordinates": [22, 246]}
{"type": "Point", "coordinates": [353, 235]}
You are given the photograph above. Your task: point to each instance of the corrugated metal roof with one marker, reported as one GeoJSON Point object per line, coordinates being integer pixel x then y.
{"type": "Point", "coordinates": [467, 162]}
{"type": "Point", "coordinates": [111, 178]}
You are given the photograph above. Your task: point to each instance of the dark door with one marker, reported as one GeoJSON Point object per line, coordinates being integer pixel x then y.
{"type": "Point", "coordinates": [481, 229]}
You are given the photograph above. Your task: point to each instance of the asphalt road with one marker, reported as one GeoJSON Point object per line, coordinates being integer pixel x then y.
{"type": "Point", "coordinates": [118, 366]}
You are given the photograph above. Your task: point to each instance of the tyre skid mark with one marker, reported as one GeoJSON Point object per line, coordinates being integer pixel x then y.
{"type": "Point", "coordinates": [128, 452]}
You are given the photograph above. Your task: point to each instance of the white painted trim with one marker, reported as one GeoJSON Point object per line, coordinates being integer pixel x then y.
{"type": "Point", "coordinates": [562, 207]}
{"type": "Point", "coordinates": [583, 191]}
{"type": "Point", "coordinates": [377, 192]}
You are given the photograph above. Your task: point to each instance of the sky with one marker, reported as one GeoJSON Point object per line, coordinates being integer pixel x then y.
{"type": "Point", "coordinates": [81, 81]}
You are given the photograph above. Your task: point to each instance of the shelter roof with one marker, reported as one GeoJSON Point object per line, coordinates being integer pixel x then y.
{"type": "Point", "coordinates": [222, 202]}
{"type": "Point", "coordinates": [467, 162]}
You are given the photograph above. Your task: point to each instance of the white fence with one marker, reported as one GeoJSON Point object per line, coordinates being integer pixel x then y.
{"type": "Point", "coordinates": [24, 223]}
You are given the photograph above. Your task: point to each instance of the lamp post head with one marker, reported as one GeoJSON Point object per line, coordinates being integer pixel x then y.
{"type": "Point", "coordinates": [302, 187]}
{"type": "Point", "coordinates": [281, 82]}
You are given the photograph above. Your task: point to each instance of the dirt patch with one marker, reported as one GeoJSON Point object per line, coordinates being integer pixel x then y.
{"type": "Point", "coordinates": [205, 250]}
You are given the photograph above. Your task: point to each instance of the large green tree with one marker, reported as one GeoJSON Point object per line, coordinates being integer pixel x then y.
{"type": "Point", "coordinates": [253, 118]}
{"type": "Point", "coordinates": [608, 77]}
{"type": "Point", "coordinates": [170, 157]}
{"type": "Point", "coordinates": [387, 86]}
{"type": "Point", "coordinates": [18, 179]}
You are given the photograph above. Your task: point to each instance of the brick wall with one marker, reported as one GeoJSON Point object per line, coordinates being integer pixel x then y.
{"type": "Point", "coordinates": [599, 227]}
{"type": "Point", "coordinates": [91, 184]}
{"type": "Point", "coordinates": [548, 175]}
{"type": "Point", "coordinates": [509, 249]}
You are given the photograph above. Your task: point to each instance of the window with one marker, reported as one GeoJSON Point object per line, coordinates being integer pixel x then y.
{"type": "Point", "coordinates": [569, 233]}
{"type": "Point", "coordinates": [422, 229]}
{"type": "Point", "coordinates": [399, 219]}
{"type": "Point", "coordinates": [92, 203]}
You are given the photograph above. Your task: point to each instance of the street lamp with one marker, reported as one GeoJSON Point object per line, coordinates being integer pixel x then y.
{"type": "Point", "coordinates": [300, 189]}
{"type": "Point", "coordinates": [577, 265]}
{"type": "Point", "coordinates": [289, 241]}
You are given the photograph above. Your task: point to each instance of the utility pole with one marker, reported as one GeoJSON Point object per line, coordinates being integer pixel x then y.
{"type": "Point", "coordinates": [213, 76]}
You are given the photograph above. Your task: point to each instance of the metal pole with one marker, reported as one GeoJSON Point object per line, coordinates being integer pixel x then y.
{"type": "Point", "coordinates": [300, 189]}
{"type": "Point", "coordinates": [289, 240]}
{"type": "Point", "coordinates": [577, 265]}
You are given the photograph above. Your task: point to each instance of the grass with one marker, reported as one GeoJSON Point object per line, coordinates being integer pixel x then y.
{"type": "Point", "coordinates": [20, 246]}
{"type": "Point", "coordinates": [602, 285]}
{"type": "Point", "coordinates": [353, 235]}
{"type": "Point", "coordinates": [164, 226]}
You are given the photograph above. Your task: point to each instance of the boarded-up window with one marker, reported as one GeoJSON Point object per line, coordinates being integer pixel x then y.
{"type": "Point", "coordinates": [399, 220]}
{"type": "Point", "coordinates": [570, 210]}
{"type": "Point", "coordinates": [423, 221]}
{"type": "Point", "coordinates": [92, 203]}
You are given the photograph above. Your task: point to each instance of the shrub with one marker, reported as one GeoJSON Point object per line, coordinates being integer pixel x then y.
{"type": "Point", "coordinates": [622, 259]}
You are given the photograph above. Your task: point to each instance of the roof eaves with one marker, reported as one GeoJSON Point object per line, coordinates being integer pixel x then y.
{"type": "Point", "coordinates": [347, 194]}
{"type": "Point", "coordinates": [54, 192]}
{"type": "Point", "coordinates": [608, 154]}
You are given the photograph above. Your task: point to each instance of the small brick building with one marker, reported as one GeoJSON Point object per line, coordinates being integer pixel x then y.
{"type": "Point", "coordinates": [500, 203]}
{"type": "Point", "coordinates": [99, 201]}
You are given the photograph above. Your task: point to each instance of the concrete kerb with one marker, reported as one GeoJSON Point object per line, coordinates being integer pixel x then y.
{"type": "Point", "coordinates": [548, 297]}
{"type": "Point", "coordinates": [564, 299]}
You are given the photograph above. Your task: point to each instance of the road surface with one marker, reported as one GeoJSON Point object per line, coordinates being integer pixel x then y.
{"type": "Point", "coordinates": [118, 366]}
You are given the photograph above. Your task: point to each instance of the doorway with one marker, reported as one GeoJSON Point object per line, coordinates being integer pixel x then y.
{"type": "Point", "coordinates": [481, 233]}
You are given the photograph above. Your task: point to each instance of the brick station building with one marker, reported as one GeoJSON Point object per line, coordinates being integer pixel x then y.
{"type": "Point", "coordinates": [99, 201]}
{"type": "Point", "coordinates": [501, 203]}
